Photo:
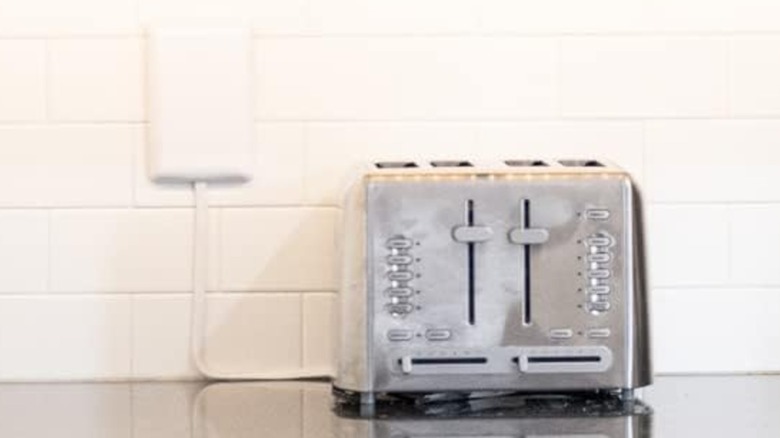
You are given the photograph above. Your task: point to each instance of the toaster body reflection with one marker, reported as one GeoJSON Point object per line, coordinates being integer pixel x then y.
{"type": "Point", "coordinates": [501, 418]}
{"type": "Point", "coordinates": [522, 276]}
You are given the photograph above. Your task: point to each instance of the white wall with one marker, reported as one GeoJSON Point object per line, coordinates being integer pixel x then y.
{"type": "Point", "coordinates": [95, 261]}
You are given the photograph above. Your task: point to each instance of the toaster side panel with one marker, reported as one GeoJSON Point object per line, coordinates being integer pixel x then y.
{"type": "Point", "coordinates": [501, 283]}
{"type": "Point", "coordinates": [355, 307]}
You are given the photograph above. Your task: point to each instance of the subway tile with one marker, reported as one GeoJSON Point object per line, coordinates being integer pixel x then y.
{"type": "Point", "coordinates": [560, 16]}
{"type": "Point", "coordinates": [73, 17]}
{"type": "Point", "coordinates": [402, 17]}
{"type": "Point", "coordinates": [22, 80]}
{"type": "Point", "coordinates": [715, 330]}
{"type": "Point", "coordinates": [406, 78]}
{"type": "Point", "coordinates": [755, 67]}
{"type": "Point", "coordinates": [277, 178]}
{"type": "Point", "coordinates": [253, 333]}
{"type": "Point", "coordinates": [688, 245]}
{"type": "Point", "coordinates": [161, 337]}
{"type": "Point", "coordinates": [755, 241]}
{"type": "Point", "coordinates": [643, 77]}
{"type": "Point", "coordinates": [59, 166]}
{"type": "Point", "coordinates": [24, 251]}
{"type": "Point", "coordinates": [319, 332]}
{"type": "Point", "coordinates": [77, 337]}
{"type": "Point", "coordinates": [96, 79]}
{"type": "Point", "coordinates": [713, 160]}
{"type": "Point", "coordinates": [278, 249]}
{"type": "Point", "coordinates": [121, 250]}
{"type": "Point", "coordinates": [336, 151]}
{"type": "Point", "coordinates": [76, 409]}
{"type": "Point", "coordinates": [265, 16]}
{"type": "Point", "coordinates": [164, 409]}
{"type": "Point", "coordinates": [710, 15]}
{"type": "Point", "coordinates": [619, 142]}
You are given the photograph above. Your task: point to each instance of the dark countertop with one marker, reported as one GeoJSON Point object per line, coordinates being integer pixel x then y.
{"type": "Point", "coordinates": [706, 406]}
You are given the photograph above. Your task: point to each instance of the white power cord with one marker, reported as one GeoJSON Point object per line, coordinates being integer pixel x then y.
{"type": "Point", "coordinates": [200, 305]}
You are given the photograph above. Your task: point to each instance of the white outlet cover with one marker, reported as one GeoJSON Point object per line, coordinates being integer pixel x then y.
{"type": "Point", "coordinates": [199, 84]}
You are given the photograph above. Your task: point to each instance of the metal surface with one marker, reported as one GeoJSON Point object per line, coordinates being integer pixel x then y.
{"type": "Point", "coordinates": [507, 261]}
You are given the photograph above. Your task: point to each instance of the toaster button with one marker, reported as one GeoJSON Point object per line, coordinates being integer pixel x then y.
{"type": "Point", "coordinates": [399, 335]}
{"type": "Point", "coordinates": [399, 243]}
{"type": "Point", "coordinates": [599, 241]}
{"type": "Point", "coordinates": [399, 291]}
{"type": "Point", "coordinates": [399, 259]}
{"type": "Point", "coordinates": [400, 276]}
{"type": "Point", "coordinates": [561, 333]}
{"type": "Point", "coordinates": [599, 333]}
{"type": "Point", "coordinates": [601, 257]}
{"type": "Point", "coordinates": [597, 215]}
{"type": "Point", "coordinates": [599, 306]}
{"type": "Point", "coordinates": [400, 309]}
{"type": "Point", "coordinates": [601, 289]}
{"type": "Point", "coordinates": [599, 273]}
{"type": "Point", "coordinates": [438, 335]}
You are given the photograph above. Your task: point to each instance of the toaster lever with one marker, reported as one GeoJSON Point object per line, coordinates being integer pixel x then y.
{"type": "Point", "coordinates": [472, 233]}
{"type": "Point", "coordinates": [528, 236]}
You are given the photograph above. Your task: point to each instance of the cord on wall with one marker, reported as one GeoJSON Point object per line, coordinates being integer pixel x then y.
{"type": "Point", "coordinates": [202, 132]}
{"type": "Point", "coordinates": [200, 303]}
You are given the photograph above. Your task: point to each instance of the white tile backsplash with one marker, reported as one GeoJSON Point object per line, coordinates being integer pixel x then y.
{"type": "Point", "coordinates": [96, 79]}
{"type": "Point", "coordinates": [280, 249]}
{"type": "Point", "coordinates": [161, 336]}
{"type": "Point", "coordinates": [22, 80]}
{"type": "Point", "coordinates": [644, 77]}
{"type": "Point", "coordinates": [678, 235]}
{"type": "Point", "coordinates": [254, 333]}
{"type": "Point", "coordinates": [97, 275]}
{"type": "Point", "coordinates": [65, 337]}
{"type": "Point", "coordinates": [131, 250]}
{"type": "Point", "coordinates": [698, 161]}
{"type": "Point", "coordinates": [24, 251]}
{"type": "Point", "coordinates": [406, 78]}
{"type": "Point", "coordinates": [755, 67]}
{"type": "Point", "coordinates": [756, 245]}
{"type": "Point", "coordinates": [716, 330]}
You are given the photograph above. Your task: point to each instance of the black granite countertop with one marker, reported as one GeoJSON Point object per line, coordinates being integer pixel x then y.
{"type": "Point", "coordinates": [700, 406]}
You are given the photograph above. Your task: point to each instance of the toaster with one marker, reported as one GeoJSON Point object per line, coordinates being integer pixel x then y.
{"type": "Point", "coordinates": [520, 275]}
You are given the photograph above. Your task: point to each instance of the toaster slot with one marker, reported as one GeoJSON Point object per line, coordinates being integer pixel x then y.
{"type": "Point", "coordinates": [471, 279]}
{"type": "Point", "coordinates": [581, 163]}
{"type": "Point", "coordinates": [451, 163]}
{"type": "Point", "coordinates": [526, 236]}
{"type": "Point", "coordinates": [525, 214]}
{"type": "Point", "coordinates": [565, 360]}
{"type": "Point", "coordinates": [525, 163]}
{"type": "Point", "coordinates": [442, 365]}
{"type": "Point", "coordinates": [395, 164]}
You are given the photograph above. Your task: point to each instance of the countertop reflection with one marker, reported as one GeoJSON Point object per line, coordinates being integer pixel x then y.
{"type": "Point", "coordinates": [711, 406]}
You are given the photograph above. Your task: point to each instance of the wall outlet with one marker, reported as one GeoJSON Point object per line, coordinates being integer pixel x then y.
{"type": "Point", "coordinates": [200, 105]}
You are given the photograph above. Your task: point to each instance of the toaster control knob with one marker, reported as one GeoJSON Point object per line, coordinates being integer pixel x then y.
{"type": "Point", "coordinates": [472, 233]}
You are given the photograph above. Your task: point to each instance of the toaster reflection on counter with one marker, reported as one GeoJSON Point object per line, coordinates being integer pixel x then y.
{"type": "Point", "coordinates": [505, 417]}
{"type": "Point", "coordinates": [521, 275]}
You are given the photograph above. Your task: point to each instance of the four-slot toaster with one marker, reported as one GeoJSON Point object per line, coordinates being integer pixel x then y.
{"type": "Point", "coordinates": [520, 275]}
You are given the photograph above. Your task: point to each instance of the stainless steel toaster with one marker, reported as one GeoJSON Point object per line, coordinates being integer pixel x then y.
{"type": "Point", "coordinates": [522, 275]}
